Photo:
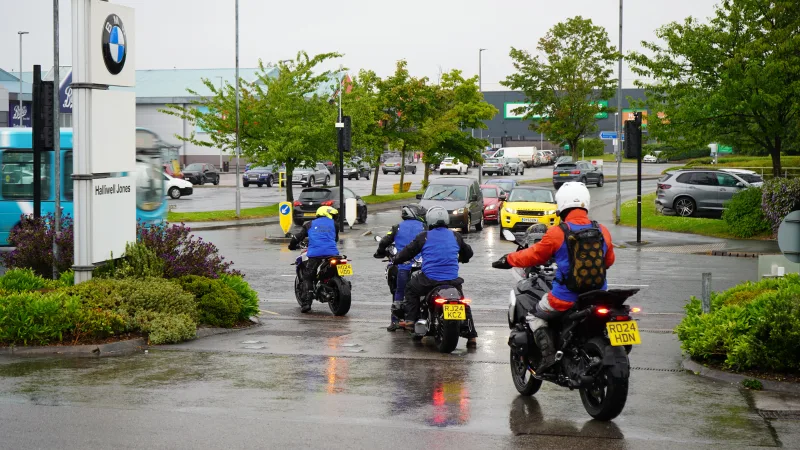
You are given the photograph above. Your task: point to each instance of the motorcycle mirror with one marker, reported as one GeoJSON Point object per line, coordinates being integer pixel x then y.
{"type": "Point", "coordinates": [377, 238]}
{"type": "Point", "coordinates": [509, 235]}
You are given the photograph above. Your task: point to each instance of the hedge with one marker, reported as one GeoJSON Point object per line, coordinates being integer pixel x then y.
{"type": "Point", "coordinates": [780, 197]}
{"type": "Point", "coordinates": [744, 216]}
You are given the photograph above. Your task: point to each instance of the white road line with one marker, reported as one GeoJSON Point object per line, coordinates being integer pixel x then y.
{"type": "Point", "coordinates": [630, 285]}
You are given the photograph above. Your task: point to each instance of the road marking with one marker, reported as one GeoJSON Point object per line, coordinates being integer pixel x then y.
{"type": "Point", "coordinates": [630, 285]}
{"type": "Point", "coordinates": [269, 312]}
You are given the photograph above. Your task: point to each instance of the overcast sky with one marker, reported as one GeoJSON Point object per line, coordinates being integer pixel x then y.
{"type": "Point", "coordinates": [430, 34]}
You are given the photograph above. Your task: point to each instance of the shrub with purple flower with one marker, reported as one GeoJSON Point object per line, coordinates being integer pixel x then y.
{"type": "Point", "coordinates": [33, 239]}
{"type": "Point", "coordinates": [183, 253]}
{"type": "Point", "coordinates": [780, 197]}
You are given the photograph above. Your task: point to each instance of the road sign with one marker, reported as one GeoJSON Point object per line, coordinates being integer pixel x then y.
{"type": "Point", "coordinates": [285, 211]}
{"type": "Point", "coordinates": [350, 210]}
{"type": "Point", "coordinates": [608, 135]}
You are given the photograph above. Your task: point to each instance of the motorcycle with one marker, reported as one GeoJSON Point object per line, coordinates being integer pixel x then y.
{"type": "Point", "coordinates": [391, 268]}
{"type": "Point", "coordinates": [593, 340]}
{"type": "Point", "coordinates": [329, 286]}
{"type": "Point", "coordinates": [443, 312]}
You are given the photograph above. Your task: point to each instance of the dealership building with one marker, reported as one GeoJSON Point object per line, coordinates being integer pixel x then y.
{"type": "Point", "coordinates": [155, 89]}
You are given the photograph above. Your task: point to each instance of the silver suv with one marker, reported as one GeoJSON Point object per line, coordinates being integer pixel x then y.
{"type": "Point", "coordinates": [689, 191]}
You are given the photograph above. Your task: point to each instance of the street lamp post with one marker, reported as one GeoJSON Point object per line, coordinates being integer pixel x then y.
{"type": "Point", "coordinates": [220, 149]}
{"type": "Point", "coordinates": [480, 88]}
{"type": "Point", "coordinates": [20, 33]}
{"type": "Point", "coordinates": [238, 148]}
{"type": "Point", "coordinates": [618, 123]}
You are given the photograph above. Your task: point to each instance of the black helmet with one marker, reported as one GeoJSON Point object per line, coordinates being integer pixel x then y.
{"type": "Point", "coordinates": [413, 212]}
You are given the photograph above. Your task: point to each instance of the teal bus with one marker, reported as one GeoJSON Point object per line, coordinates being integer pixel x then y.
{"type": "Point", "coordinates": [16, 186]}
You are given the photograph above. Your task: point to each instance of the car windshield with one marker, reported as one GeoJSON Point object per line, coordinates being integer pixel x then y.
{"type": "Point", "coordinates": [489, 192]}
{"type": "Point", "coordinates": [531, 195]}
{"type": "Point", "coordinates": [750, 177]}
{"type": "Point", "coordinates": [445, 192]}
{"type": "Point", "coordinates": [261, 168]}
{"type": "Point", "coordinates": [315, 194]}
{"type": "Point", "coordinates": [505, 185]}
{"type": "Point", "coordinates": [194, 166]}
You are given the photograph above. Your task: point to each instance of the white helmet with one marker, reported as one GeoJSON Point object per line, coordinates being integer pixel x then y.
{"type": "Point", "coordinates": [572, 195]}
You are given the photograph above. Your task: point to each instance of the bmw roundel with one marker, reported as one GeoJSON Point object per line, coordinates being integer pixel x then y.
{"type": "Point", "coordinates": [115, 45]}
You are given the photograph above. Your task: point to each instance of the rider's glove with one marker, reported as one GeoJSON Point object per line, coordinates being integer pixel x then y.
{"type": "Point", "coordinates": [502, 263]}
{"type": "Point", "coordinates": [378, 255]}
{"type": "Point", "coordinates": [293, 245]}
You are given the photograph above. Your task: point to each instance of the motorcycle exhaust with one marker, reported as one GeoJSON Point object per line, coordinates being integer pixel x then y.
{"type": "Point", "coordinates": [421, 327]}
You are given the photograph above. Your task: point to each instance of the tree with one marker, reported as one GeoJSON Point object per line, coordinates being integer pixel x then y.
{"type": "Point", "coordinates": [286, 120]}
{"type": "Point", "coordinates": [406, 103]}
{"type": "Point", "coordinates": [362, 103]}
{"type": "Point", "coordinates": [565, 84]}
{"type": "Point", "coordinates": [735, 80]}
{"type": "Point", "coordinates": [459, 105]}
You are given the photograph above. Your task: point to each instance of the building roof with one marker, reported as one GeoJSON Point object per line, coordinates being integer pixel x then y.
{"type": "Point", "coordinates": [11, 83]}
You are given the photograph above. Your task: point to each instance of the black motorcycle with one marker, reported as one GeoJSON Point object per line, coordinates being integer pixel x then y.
{"type": "Point", "coordinates": [391, 268]}
{"type": "Point", "coordinates": [443, 315]}
{"type": "Point", "coordinates": [329, 286]}
{"type": "Point", "coordinates": [592, 340]}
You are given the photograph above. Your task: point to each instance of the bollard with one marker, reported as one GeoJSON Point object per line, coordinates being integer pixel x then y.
{"type": "Point", "coordinates": [706, 293]}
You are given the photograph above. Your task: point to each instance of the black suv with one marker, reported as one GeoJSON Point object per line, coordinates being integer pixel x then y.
{"type": "Point", "coordinates": [201, 173]}
{"type": "Point", "coordinates": [310, 199]}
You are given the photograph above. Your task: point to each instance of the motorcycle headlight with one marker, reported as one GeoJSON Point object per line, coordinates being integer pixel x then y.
{"type": "Point", "coordinates": [510, 210]}
{"type": "Point", "coordinates": [512, 303]}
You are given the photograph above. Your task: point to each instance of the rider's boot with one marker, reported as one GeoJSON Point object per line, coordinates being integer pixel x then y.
{"type": "Point", "coordinates": [306, 306]}
{"type": "Point", "coordinates": [544, 341]}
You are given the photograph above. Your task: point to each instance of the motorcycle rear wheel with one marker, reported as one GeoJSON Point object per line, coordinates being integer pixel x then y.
{"type": "Point", "coordinates": [524, 381]}
{"type": "Point", "coordinates": [447, 333]}
{"type": "Point", "coordinates": [339, 303]}
{"type": "Point", "coordinates": [606, 399]}
{"type": "Point", "coordinates": [298, 290]}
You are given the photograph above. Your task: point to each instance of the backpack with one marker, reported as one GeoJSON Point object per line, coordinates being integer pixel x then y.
{"type": "Point", "coordinates": [587, 259]}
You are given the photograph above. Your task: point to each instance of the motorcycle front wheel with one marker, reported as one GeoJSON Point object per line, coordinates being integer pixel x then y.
{"type": "Point", "coordinates": [339, 302]}
{"type": "Point", "coordinates": [447, 332]}
{"type": "Point", "coordinates": [606, 398]}
{"type": "Point", "coordinates": [524, 381]}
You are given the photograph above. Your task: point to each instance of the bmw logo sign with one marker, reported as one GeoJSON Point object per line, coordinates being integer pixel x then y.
{"type": "Point", "coordinates": [115, 45]}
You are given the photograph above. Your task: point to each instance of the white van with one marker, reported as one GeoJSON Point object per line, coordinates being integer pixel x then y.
{"type": "Point", "coordinates": [523, 153]}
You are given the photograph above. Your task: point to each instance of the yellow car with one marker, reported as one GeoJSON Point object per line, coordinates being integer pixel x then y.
{"type": "Point", "coordinates": [526, 206]}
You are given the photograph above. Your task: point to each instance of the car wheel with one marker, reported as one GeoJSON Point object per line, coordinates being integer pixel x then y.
{"type": "Point", "coordinates": [327, 180]}
{"type": "Point", "coordinates": [479, 225]}
{"type": "Point", "coordinates": [523, 172]}
{"type": "Point", "coordinates": [467, 227]}
{"type": "Point", "coordinates": [600, 181]}
{"type": "Point", "coordinates": [269, 181]}
{"type": "Point", "coordinates": [202, 180]}
{"type": "Point", "coordinates": [414, 171]}
{"type": "Point", "coordinates": [685, 207]}
{"type": "Point", "coordinates": [245, 184]}
{"type": "Point", "coordinates": [385, 172]}
{"type": "Point", "coordinates": [367, 176]}
{"type": "Point", "coordinates": [363, 218]}
{"type": "Point", "coordinates": [259, 184]}
{"type": "Point", "coordinates": [583, 180]}
{"type": "Point", "coordinates": [310, 182]}
{"type": "Point", "coordinates": [174, 193]}
{"type": "Point", "coordinates": [216, 181]}
{"type": "Point", "coordinates": [358, 176]}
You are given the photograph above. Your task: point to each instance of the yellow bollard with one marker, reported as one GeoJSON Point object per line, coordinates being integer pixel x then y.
{"type": "Point", "coordinates": [281, 180]}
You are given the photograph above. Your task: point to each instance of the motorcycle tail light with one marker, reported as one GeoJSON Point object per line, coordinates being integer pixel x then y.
{"type": "Point", "coordinates": [333, 261]}
{"type": "Point", "coordinates": [601, 311]}
{"type": "Point", "coordinates": [465, 301]}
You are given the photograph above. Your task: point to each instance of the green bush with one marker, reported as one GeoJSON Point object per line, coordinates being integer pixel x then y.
{"type": "Point", "coordinates": [751, 326]}
{"type": "Point", "coordinates": [140, 262]}
{"type": "Point", "coordinates": [780, 197]}
{"type": "Point", "coordinates": [22, 280]}
{"type": "Point", "coordinates": [591, 147]}
{"type": "Point", "coordinates": [217, 304]}
{"type": "Point", "coordinates": [744, 216]}
{"type": "Point", "coordinates": [67, 278]}
{"type": "Point", "coordinates": [36, 317]}
{"type": "Point", "coordinates": [164, 328]}
{"type": "Point", "coordinates": [248, 298]}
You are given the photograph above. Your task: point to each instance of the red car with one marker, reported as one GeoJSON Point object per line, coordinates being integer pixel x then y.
{"type": "Point", "coordinates": [493, 198]}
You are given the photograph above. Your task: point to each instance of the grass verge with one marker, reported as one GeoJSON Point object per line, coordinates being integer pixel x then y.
{"type": "Point", "coordinates": [755, 163]}
{"type": "Point", "coordinates": [694, 225]}
{"type": "Point", "coordinates": [261, 212]}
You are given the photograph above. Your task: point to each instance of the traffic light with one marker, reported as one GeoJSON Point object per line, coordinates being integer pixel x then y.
{"type": "Point", "coordinates": [633, 138]}
{"type": "Point", "coordinates": [45, 114]}
{"type": "Point", "coordinates": [345, 136]}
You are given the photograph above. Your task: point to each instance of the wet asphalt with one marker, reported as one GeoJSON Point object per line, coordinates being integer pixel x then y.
{"type": "Point", "coordinates": [319, 381]}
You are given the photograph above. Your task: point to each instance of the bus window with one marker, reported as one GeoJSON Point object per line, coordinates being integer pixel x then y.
{"type": "Point", "coordinates": [68, 182]}
{"type": "Point", "coordinates": [18, 175]}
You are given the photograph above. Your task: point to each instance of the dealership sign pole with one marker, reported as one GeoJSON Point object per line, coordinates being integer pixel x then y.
{"type": "Point", "coordinates": [104, 132]}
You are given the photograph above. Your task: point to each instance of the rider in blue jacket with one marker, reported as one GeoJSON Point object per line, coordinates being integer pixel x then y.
{"type": "Point", "coordinates": [442, 249]}
{"type": "Point", "coordinates": [322, 235]}
{"type": "Point", "coordinates": [401, 235]}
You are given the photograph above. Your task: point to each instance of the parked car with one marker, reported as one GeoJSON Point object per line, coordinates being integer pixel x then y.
{"type": "Point", "coordinates": [259, 176]}
{"type": "Point", "coordinates": [688, 191]}
{"type": "Point", "coordinates": [452, 165]}
{"type": "Point", "coordinates": [539, 158]}
{"type": "Point", "coordinates": [177, 187]}
{"type": "Point", "coordinates": [356, 171]}
{"type": "Point", "coordinates": [752, 178]}
{"type": "Point", "coordinates": [330, 166]}
{"type": "Point", "coordinates": [201, 173]}
{"type": "Point", "coordinates": [525, 154]}
{"type": "Point", "coordinates": [310, 199]}
{"type": "Point", "coordinates": [310, 176]}
{"type": "Point", "coordinates": [515, 166]}
{"type": "Point", "coordinates": [528, 205]}
{"type": "Point", "coordinates": [461, 197]}
{"type": "Point", "coordinates": [550, 156]}
{"type": "Point", "coordinates": [494, 166]}
{"type": "Point", "coordinates": [655, 157]}
{"type": "Point", "coordinates": [582, 171]}
{"type": "Point", "coordinates": [393, 165]}
{"type": "Point", "coordinates": [493, 197]}
{"type": "Point", "coordinates": [506, 184]}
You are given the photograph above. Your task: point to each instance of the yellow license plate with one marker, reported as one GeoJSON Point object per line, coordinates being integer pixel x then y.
{"type": "Point", "coordinates": [563, 174]}
{"type": "Point", "coordinates": [623, 333]}
{"type": "Point", "coordinates": [310, 215]}
{"type": "Point", "coordinates": [345, 270]}
{"type": "Point", "coordinates": [454, 312]}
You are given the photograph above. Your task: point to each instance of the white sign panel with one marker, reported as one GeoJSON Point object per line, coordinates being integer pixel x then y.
{"type": "Point", "coordinates": [112, 45]}
{"type": "Point", "coordinates": [113, 137]}
{"type": "Point", "coordinates": [113, 221]}
{"type": "Point", "coordinates": [350, 210]}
